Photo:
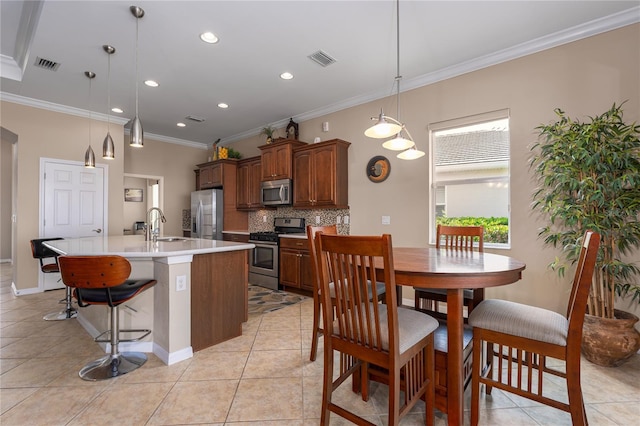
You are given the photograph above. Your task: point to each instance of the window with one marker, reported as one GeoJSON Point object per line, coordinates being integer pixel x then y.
{"type": "Point", "coordinates": [469, 165]}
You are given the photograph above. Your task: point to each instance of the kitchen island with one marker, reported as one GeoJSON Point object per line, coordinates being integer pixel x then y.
{"type": "Point", "coordinates": [200, 298]}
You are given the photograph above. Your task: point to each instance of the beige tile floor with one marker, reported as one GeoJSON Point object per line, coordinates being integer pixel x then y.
{"type": "Point", "coordinates": [263, 377]}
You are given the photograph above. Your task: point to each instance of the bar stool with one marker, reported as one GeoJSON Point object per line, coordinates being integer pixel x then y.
{"type": "Point", "coordinates": [41, 252]}
{"type": "Point", "coordinates": [102, 280]}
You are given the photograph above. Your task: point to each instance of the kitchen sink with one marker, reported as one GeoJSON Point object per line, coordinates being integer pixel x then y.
{"type": "Point", "coordinates": [171, 239]}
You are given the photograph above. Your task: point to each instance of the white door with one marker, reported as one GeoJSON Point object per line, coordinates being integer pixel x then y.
{"type": "Point", "coordinates": [73, 204]}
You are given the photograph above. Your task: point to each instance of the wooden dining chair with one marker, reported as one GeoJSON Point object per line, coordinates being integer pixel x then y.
{"type": "Point", "coordinates": [453, 238]}
{"type": "Point", "coordinates": [103, 280]}
{"type": "Point", "coordinates": [397, 340]}
{"type": "Point", "coordinates": [526, 336]}
{"type": "Point", "coordinates": [317, 300]}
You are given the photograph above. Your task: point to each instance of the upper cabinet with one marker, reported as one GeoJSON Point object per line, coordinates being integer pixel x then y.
{"type": "Point", "coordinates": [320, 175]}
{"type": "Point", "coordinates": [276, 159]}
{"type": "Point", "coordinates": [249, 176]}
{"type": "Point", "coordinates": [209, 175]}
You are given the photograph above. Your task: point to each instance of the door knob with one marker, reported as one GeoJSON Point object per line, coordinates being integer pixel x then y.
{"type": "Point", "coordinates": [97, 230]}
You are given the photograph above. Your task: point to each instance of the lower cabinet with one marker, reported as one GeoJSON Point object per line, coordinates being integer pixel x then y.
{"type": "Point", "coordinates": [295, 264]}
{"type": "Point", "coordinates": [237, 238]}
{"type": "Point", "coordinates": [219, 297]}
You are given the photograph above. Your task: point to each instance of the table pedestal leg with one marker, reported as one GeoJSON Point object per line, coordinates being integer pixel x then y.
{"type": "Point", "coordinates": [455, 388]}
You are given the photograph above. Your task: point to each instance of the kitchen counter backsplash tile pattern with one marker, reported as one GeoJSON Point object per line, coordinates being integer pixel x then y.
{"type": "Point", "coordinates": [327, 217]}
{"type": "Point", "coordinates": [186, 219]}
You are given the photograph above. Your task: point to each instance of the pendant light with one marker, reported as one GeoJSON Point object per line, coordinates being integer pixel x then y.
{"type": "Point", "coordinates": [136, 134]}
{"type": "Point", "coordinates": [108, 148]}
{"type": "Point", "coordinates": [387, 126]}
{"type": "Point", "coordinates": [89, 156]}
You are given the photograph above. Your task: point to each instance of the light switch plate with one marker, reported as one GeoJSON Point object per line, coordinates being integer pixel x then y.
{"type": "Point", "coordinates": [346, 220]}
{"type": "Point", "coordinates": [337, 220]}
{"type": "Point", "coordinates": [386, 220]}
{"type": "Point", "coordinates": [317, 220]}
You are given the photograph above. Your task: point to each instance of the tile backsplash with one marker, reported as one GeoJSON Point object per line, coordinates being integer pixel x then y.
{"type": "Point", "coordinates": [186, 219]}
{"type": "Point", "coordinates": [258, 223]}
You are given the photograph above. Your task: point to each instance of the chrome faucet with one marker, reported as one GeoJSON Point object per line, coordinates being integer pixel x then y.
{"type": "Point", "coordinates": [151, 232]}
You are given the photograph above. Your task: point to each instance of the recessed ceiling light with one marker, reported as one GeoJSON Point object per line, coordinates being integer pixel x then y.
{"type": "Point", "coordinates": [209, 37]}
{"type": "Point", "coordinates": [223, 105]}
{"type": "Point", "coordinates": [181, 125]}
{"type": "Point", "coordinates": [151, 83]}
{"type": "Point", "coordinates": [286, 76]}
{"type": "Point", "coordinates": [117, 110]}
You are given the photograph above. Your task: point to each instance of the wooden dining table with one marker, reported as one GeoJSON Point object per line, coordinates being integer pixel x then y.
{"type": "Point", "coordinates": [453, 270]}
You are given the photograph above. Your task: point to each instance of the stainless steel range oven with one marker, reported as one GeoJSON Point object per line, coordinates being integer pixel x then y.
{"type": "Point", "coordinates": [263, 259]}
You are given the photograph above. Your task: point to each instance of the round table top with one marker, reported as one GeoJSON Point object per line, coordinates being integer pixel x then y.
{"type": "Point", "coordinates": [444, 268]}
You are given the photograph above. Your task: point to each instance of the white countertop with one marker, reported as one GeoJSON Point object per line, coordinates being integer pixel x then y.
{"type": "Point", "coordinates": [135, 246]}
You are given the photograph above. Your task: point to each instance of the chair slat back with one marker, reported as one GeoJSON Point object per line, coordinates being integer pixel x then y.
{"type": "Point", "coordinates": [311, 234]}
{"type": "Point", "coordinates": [460, 237]}
{"type": "Point", "coordinates": [350, 263]}
{"type": "Point", "coordinates": [582, 280]}
{"type": "Point", "coordinates": [94, 271]}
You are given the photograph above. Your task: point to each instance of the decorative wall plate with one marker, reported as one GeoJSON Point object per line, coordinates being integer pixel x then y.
{"type": "Point", "coordinates": [378, 169]}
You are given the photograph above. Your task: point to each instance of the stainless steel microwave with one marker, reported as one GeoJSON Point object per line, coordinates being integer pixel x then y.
{"type": "Point", "coordinates": [276, 193]}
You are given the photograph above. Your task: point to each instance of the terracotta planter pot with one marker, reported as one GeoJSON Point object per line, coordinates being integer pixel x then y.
{"type": "Point", "coordinates": [610, 342]}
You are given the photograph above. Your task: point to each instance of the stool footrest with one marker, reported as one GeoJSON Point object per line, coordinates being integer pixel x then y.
{"type": "Point", "coordinates": [111, 366]}
{"type": "Point", "coordinates": [100, 339]}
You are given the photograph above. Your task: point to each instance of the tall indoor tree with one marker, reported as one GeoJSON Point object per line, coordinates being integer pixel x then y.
{"type": "Point", "coordinates": [588, 176]}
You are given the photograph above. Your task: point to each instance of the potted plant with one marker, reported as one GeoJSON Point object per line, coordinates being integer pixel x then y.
{"type": "Point", "coordinates": [589, 179]}
{"type": "Point", "coordinates": [269, 132]}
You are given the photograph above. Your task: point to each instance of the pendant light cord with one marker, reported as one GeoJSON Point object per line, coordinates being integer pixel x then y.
{"type": "Point", "coordinates": [108, 93]}
{"type": "Point", "coordinates": [137, 22]}
{"type": "Point", "coordinates": [398, 76]}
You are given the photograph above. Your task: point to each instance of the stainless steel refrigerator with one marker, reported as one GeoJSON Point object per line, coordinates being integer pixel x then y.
{"type": "Point", "coordinates": [206, 214]}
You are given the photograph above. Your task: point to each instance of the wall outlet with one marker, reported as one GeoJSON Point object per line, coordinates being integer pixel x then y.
{"type": "Point", "coordinates": [337, 220]}
{"type": "Point", "coordinates": [346, 220]}
{"type": "Point", "coordinates": [317, 220]}
{"type": "Point", "coordinates": [264, 218]}
{"type": "Point", "coordinates": [386, 220]}
{"type": "Point", "coordinates": [181, 283]}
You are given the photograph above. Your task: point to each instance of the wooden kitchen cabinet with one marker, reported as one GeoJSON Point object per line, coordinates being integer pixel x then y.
{"type": "Point", "coordinates": [222, 174]}
{"type": "Point", "coordinates": [210, 175]}
{"type": "Point", "coordinates": [320, 175]}
{"type": "Point", "coordinates": [295, 264]}
{"type": "Point", "coordinates": [235, 237]}
{"type": "Point", "coordinates": [276, 159]}
{"type": "Point", "coordinates": [249, 176]}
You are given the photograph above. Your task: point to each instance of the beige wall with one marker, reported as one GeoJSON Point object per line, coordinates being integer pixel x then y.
{"type": "Point", "coordinates": [43, 133]}
{"type": "Point", "coordinates": [583, 78]}
{"type": "Point", "coordinates": [6, 156]}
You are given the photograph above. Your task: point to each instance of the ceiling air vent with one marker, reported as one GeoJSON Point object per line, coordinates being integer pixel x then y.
{"type": "Point", "coordinates": [47, 64]}
{"type": "Point", "coordinates": [194, 118]}
{"type": "Point", "coordinates": [321, 58]}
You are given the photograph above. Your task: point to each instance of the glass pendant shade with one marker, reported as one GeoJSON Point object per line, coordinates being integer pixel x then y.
{"type": "Point", "coordinates": [383, 128]}
{"type": "Point", "coordinates": [136, 133]}
{"type": "Point", "coordinates": [411, 154]}
{"type": "Point", "coordinates": [89, 158]}
{"type": "Point", "coordinates": [108, 149]}
{"type": "Point", "coordinates": [398, 143]}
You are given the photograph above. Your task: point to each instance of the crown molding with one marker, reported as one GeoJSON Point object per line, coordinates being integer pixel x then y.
{"type": "Point", "coordinates": [50, 106]}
